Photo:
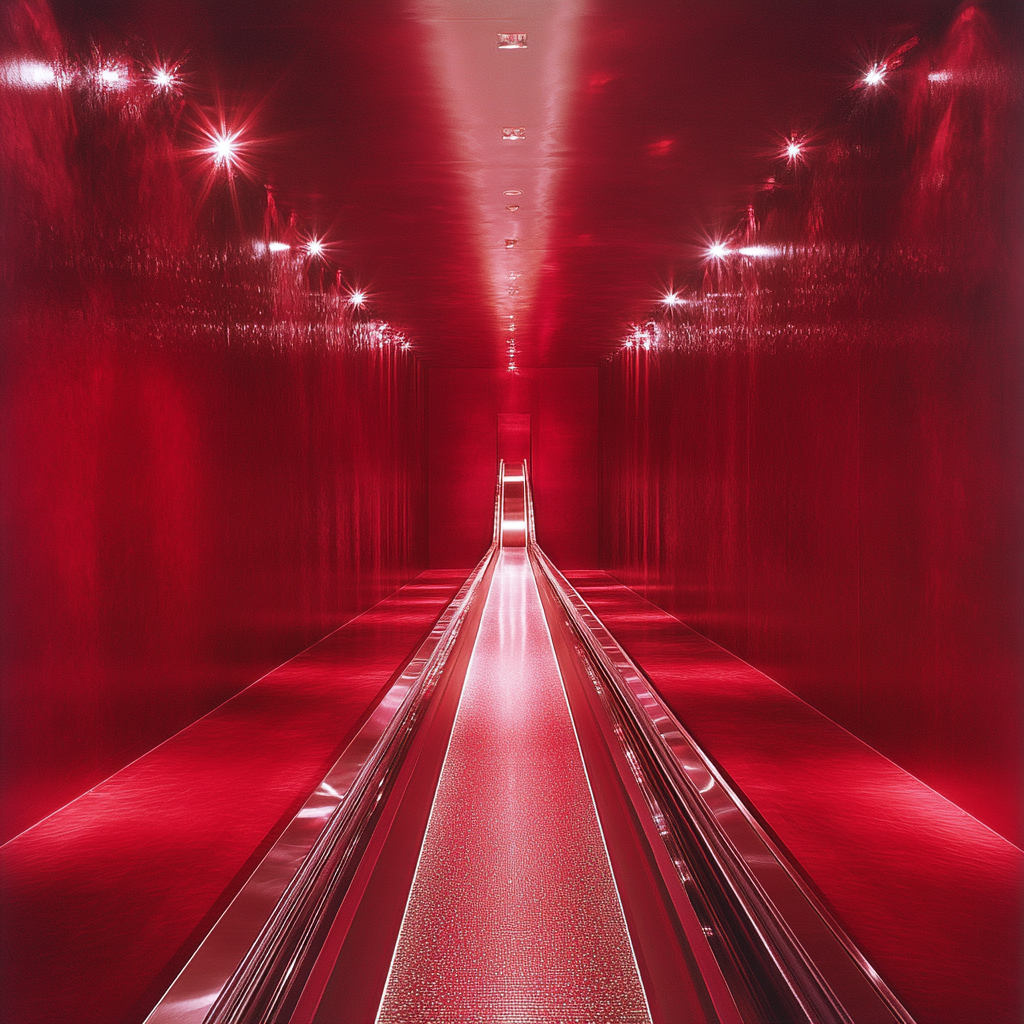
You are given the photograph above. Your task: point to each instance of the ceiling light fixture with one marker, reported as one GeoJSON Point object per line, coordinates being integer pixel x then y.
{"type": "Point", "coordinates": [875, 75]}
{"type": "Point", "coordinates": [512, 192]}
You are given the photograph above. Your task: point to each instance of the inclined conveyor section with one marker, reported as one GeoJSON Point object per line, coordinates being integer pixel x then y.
{"type": "Point", "coordinates": [513, 913]}
{"type": "Point", "coordinates": [522, 831]}
{"type": "Point", "coordinates": [511, 824]}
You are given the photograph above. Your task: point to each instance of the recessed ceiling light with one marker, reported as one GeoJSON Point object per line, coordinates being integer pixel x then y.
{"type": "Point", "coordinates": [512, 207]}
{"type": "Point", "coordinates": [514, 133]}
{"type": "Point", "coordinates": [512, 192]}
{"type": "Point", "coordinates": [511, 40]}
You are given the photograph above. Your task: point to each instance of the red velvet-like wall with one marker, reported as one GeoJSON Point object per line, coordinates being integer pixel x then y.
{"type": "Point", "coordinates": [206, 464]}
{"type": "Point", "coordinates": [818, 463]}
{"type": "Point", "coordinates": [464, 405]}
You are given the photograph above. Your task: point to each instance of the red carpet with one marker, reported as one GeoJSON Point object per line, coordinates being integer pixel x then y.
{"type": "Point", "coordinates": [932, 896]}
{"type": "Point", "coordinates": [104, 900]}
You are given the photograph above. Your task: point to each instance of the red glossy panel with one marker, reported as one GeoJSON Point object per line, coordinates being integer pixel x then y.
{"type": "Point", "coordinates": [933, 897]}
{"type": "Point", "coordinates": [202, 471]}
{"type": "Point", "coordinates": [463, 410]}
{"type": "Point", "coordinates": [104, 901]}
{"type": "Point", "coordinates": [514, 437]}
{"type": "Point", "coordinates": [820, 463]}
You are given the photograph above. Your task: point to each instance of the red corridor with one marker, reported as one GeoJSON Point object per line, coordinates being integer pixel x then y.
{"type": "Point", "coordinates": [511, 511]}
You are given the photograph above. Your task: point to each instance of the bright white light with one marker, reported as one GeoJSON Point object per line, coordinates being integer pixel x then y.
{"type": "Point", "coordinates": [28, 74]}
{"type": "Point", "coordinates": [164, 79]}
{"type": "Point", "coordinates": [278, 246]}
{"type": "Point", "coordinates": [514, 479]}
{"type": "Point", "coordinates": [875, 75]}
{"type": "Point", "coordinates": [37, 74]}
{"type": "Point", "coordinates": [357, 298]}
{"type": "Point", "coordinates": [225, 148]}
{"type": "Point", "coordinates": [314, 247]}
{"type": "Point", "coordinates": [718, 250]}
{"type": "Point", "coordinates": [793, 149]}
{"type": "Point", "coordinates": [672, 299]}
{"type": "Point", "coordinates": [110, 75]}
{"type": "Point", "coordinates": [758, 251]}
{"type": "Point", "coordinates": [939, 76]}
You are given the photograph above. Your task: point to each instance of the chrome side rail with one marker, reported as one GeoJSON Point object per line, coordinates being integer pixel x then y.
{"type": "Point", "coordinates": [772, 935]}
{"type": "Point", "coordinates": [247, 963]}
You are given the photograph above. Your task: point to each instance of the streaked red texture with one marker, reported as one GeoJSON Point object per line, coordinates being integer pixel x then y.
{"type": "Point", "coordinates": [104, 901]}
{"type": "Point", "coordinates": [463, 408]}
{"type": "Point", "coordinates": [203, 470]}
{"type": "Point", "coordinates": [179, 518]}
{"type": "Point", "coordinates": [840, 504]}
{"type": "Point", "coordinates": [933, 897]}
{"type": "Point", "coordinates": [820, 463]}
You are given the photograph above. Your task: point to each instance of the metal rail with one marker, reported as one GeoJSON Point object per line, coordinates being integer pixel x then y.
{"type": "Point", "coordinates": [786, 955]}
{"type": "Point", "coordinates": [249, 963]}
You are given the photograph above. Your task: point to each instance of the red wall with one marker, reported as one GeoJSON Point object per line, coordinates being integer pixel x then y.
{"type": "Point", "coordinates": [819, 464]}
{"type": "Point", "coordinates": [203, 469]}
{"type": "Point", "coordinates": [177, 519]}
{"type": "Point", "coordinates": [463, 428]}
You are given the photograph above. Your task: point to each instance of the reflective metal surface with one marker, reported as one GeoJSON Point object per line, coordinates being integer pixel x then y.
{"type": "Point", "coordinates": [828, 977]}
{"type": "Point", "coordinates": [252, 912]}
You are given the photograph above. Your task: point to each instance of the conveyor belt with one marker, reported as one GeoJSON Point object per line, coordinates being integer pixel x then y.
{"type": "Point", "coordinates": [513, 913]}
{"type": "Point", "coordinates": [524, 833]}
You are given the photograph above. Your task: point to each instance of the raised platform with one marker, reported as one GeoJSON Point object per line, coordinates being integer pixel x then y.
{"type": "Point", "coordinates": [103, 901]}
{"type": "Point", "coordinates": [932, 896]}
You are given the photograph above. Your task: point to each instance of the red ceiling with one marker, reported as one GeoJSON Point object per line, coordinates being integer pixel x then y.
{"type": "Point", "coordinates": [647, 121]}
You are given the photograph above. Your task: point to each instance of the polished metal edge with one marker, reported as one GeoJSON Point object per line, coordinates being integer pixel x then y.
{"type": "Point", "coordinates": [741, 838]}
{"type": "Point", "coordinates": [197, 987]}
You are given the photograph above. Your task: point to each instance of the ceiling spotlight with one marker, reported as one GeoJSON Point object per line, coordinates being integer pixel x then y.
{"type": "Point", "coordinates": [794, 149]}
{"type": "Point", "coordinates": [357, 298]}
{"type": "Point", "coordinates": [315, 248]}
{"type": "Point", "coordinates": [672, 299]}
{"type": "Point", "coordinates": [224, 147]}
{"type": "Point", "coordinates": [717, 250]}
{"type": "Point", "coordinates": [875, 75]}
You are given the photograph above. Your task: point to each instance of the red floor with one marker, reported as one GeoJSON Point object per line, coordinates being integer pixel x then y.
{"type": "Point", "coordinates": [932, 896]}
{"type": "Point", "coordinates": [104, 900]}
